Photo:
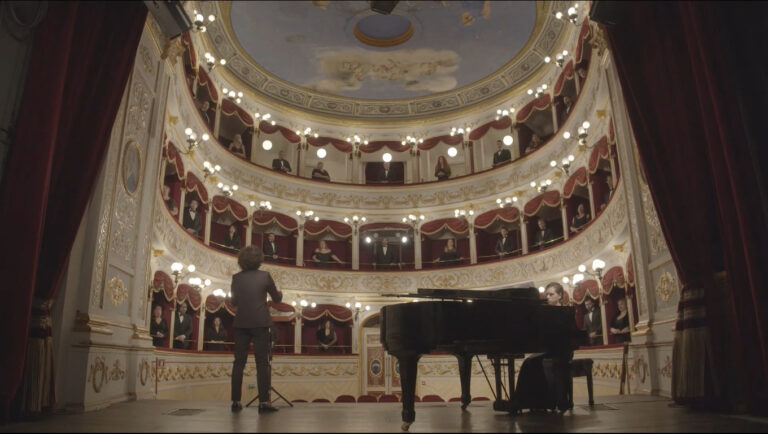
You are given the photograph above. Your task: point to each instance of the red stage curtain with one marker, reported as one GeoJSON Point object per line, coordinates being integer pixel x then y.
{"type": "Point", "coordinates": [222, 203]}
{"type": "Point", "coordinates": [583, 35]}
{"type": "Point", "coordinates": [549, 198]}
{"type": "Point", "coordinates": [163, 283]}
{"type": "Point", "coordinates": [696, 98]}
{"type": "Point", "coordinates": [339, 144]}
{"type": "Point", "coordinates": [204, 80]}
{"type": "Point", "coordinates": [62, 132]}
{"type": "Point", "coordinates": [540, 103]}
{"type": "Point", "coordinates": [599, 150]}
{"type": "Point", "coordinates": [507, 215]}
{"type": "Point", "coordinates": [268, 128]}
{"type": "Point", "coordinates": [194, 184]}
{"type": "Point", "coordinates": [174, 157]}
{"type": "Point", "coordinates": [228, 108]}
{"type": "Point", "coordinates": [567, 73]}
{"type": "Point", "coordinates": [265, 218]}
{"type": "Point", "coordinates": [502, 124]}
{"type": "Point", "coordinates": [453, 224]}
{"type": "Point", "coordinates": [340, 229]}
{"type": "Point", "coordinates": [579, 177]}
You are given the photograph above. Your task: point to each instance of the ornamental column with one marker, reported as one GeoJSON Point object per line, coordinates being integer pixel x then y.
{"type": "Point", "coordinates": [417, 247]}
{"type": "Point", "coordinates": [524, 235]}
{"type": "Point", "coordinates": [201, 326]}
{"type": "Point", "coordinates": [249, 231]}
{"type": "Point", "coordinates": [300, 246]}
{"type": "Point", "coordinates": [208, 218]}
{"type": "Point", "coordinates": [355, 247]}
{"type": "Point", "coordinates": [472, 243]}
{"type": "Point", "coordinates": [565, 220]}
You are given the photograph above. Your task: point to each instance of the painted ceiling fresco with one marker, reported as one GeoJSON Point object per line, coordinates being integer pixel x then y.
{"type": "Point", "coordinates": [344, 48]}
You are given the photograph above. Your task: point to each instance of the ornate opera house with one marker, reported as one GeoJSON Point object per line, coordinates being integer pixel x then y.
{"type": "Point", "coordinates": [379, 159]}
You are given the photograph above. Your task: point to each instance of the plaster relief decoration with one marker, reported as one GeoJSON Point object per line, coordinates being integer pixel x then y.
{"type": "Point", "coordinates": [144, 372]}
{"type": "Point", "coordinates": [658, 243]}
{"type": "Point", "coordinates": [98, 374]}
{"type": "Point", "coordinates": [412, 70]}
{"type": "Point", "coordinates": [131, 168]}
{"type": "Point", "coordinates": [640, 369]}
{"type": "Point", "coordinates": [666, 370]}
{"type": "Point", "coordinates": [666, 286]}
{"type": "Point", "coordinates": [117, 291]}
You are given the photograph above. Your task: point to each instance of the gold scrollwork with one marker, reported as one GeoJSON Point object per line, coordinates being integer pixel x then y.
{"type": "Point", "coordinates": [666, 286]}
{"type": "Point", "coordinates": [117, 291]}
{"type": "Point", "coordinates": [640, 368]}
{"type": "Point", "coordinates": [666, 370]}
{"type": "Point", "coordinates": [144, 372]}
{"type": "Point", "coordinates": [99, 374]}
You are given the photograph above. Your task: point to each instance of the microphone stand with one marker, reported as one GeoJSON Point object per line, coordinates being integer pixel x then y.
{"type": "Point", "coordinates": [271, 388]}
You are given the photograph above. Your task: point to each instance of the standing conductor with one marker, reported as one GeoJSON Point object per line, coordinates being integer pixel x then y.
{"type": "Point", "coordinates": [252, 322]}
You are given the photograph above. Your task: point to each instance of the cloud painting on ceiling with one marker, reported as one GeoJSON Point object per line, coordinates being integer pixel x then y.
{"type": "Point", "coordinates": [343, 48]}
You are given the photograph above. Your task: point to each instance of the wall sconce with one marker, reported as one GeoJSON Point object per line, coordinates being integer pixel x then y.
{"type": "Point", "coordinates": [539, 90]}
{"type": "Point", "coordinates": [506, 201]}
{"type": "Point", "coordinates": [559, 58]}
{"type": "Point", "coordinates": [463, 213]}
{"type": "Point", "coordinates": [583, 133]}
{"type": "Point", "coordinates": [209, 169]}
{"type": "Point", "coordinates": [232, 95]}
{"type": "Point", "coordinates": [264, 117]}
{"type": "Point", "coordinates": [192, 140]}
{"type": "Point", "coordinates": [198, 283]}
{"type": "Point", "coordinates": [459, 130]}
{"type": "Point", "coordinates": [211, 61]}
{"type": "Point", "coordinates": [226, 189]}
{"type": "Point", "coordinates": [177, 270]}
{"type": "Point", "coordinates": [358, 308]}
{"type": "Point", "coordinates": [264, 205]}
{"type": "Point", "coordinates": [356, 141]}
{"type": "Point", "coordinates": [355, 222]}
{"type": "Point", "coordinates": [572, 14]}
{"type": "Point", "coordinates": [597, 269]}
{"type": "Point", "coordinates": [504, 112]}
{"type": "Point", "coordinates": [307, 215]}
{"type": "Point", "coordinates": [200, 21]}
{"type": "Point", "coordinates": [218, 292]}
{"type": "Point", "coordinates": [565, 164]}
{"type": "Point", "coordinates": [542, 186]}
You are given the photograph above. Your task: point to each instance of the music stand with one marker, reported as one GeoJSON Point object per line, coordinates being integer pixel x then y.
{"type": "Point", "coordinates": [273, 334]}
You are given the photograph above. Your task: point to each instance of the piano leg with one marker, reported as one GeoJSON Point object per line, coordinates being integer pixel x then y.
{"type": "Point", "coordinates": [465, 373]}
{"type": "Point", "coordinates": [408, 369]}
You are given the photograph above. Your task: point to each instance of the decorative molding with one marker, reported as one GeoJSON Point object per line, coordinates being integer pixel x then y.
{"type": "Point", "coordinates": [666, 370]}
{"type": "Point", "coordinates": [666, 286]}
{"type": "Point", "coordinates": [117, 291]}
{"type": "Point", "coordinates": [241, 68]}
{"type": "Point", "coordinates": [144, 371]}
{"type": "Point", "coordinates": [99, 374]}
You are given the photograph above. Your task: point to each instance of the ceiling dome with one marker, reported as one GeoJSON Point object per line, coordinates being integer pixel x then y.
{"type": "Point", "coordinates": [341, 59]}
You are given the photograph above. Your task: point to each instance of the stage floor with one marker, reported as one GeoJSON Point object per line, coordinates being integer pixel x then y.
{"type": "Point", "coordinates": [635, 413]}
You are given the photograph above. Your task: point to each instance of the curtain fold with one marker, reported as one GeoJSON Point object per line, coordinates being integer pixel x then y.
{"type": "Point", "coordinates": [56, 157]}
{"type": "Point", "coordinates": [691, 91]}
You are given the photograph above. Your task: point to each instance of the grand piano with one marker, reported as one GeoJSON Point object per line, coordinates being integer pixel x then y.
{"type": "Point", "coordinates": [502, 324]}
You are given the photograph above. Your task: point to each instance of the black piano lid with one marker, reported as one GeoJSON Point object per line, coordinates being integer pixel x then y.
{"type": "Point", "coordinates": [503, 294]}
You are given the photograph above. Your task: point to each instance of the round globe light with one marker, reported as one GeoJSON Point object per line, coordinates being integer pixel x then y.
{"type": "Point", "coordinates": [321, 153]}
{"type": "Point", "coordinates": [267, 145]}
{"type": "Point", "coordinates": [452, 152]}
{"type": "Point", "coordinates": [387, 157]}
{"type": "Point", "coordinates": [508, 140]}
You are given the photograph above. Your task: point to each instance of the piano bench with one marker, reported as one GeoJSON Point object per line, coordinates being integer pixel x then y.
{"type": "Point", "coordinates": [582, 368]}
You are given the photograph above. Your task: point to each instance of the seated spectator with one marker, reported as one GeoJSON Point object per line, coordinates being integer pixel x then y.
{"type": "Point", "coordinates": [450, 255]}
{"type": "Point", "coordinates": [533, 144]}
{"type": "Point", "coordinates": [620, 324]}
{"type": "Point", "coordinates": [582, 73]}
{"type": "Point", "coordinates": [608, 192]}
{"type": "Point", "coordinates": [323, 255]}
{"type": "Point", "coordinates": [192, 222]}
{"type": "Point", "coordinates": [544, 235]}
{"type": "Point", "coordinates": [269, 248]}
{"type": "Point", "coordinates": [386, 174]}
{"type": "Point", "coordinates": [237, 147]}
{"type": "Point", "coordinates": [182, 328]}
{"type": "Point", "coordinates": [593, 323]}
{"type": "Point", "coordinates": [505, 245]}
{"type": "Point", "coordinates": [501, 155]}
{"type": "Point", "coordinates": [566, 108]}
{"type": "Point", "coordinates": [442, 169]}
{"type": "Point", "coordinates": [216, 336]}
{"type": "Point", "coordinates": [169, 202]}
{"type": "Point", "coordinates": [580, 219]}
{"type": "Point", "coordinates": [158, 328]}
{"type": "Point", "coordinates": [326, 336]}
{"type": "Point", "coordinates": [232, 239]}
{"type": "Point", "coordinates": [281, 164]}
{"type": "Point", "coordinates": [319, 173]}
{"type": "Point", "coordinates": [204, 106]}
{"type": "Point", "coordinates": [384, 256]}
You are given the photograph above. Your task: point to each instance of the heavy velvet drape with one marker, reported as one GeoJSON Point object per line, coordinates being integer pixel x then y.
{"type": "Point", "coordinates": [79, 67]}
{"type": "Point", "coordinates": [697, 93]}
